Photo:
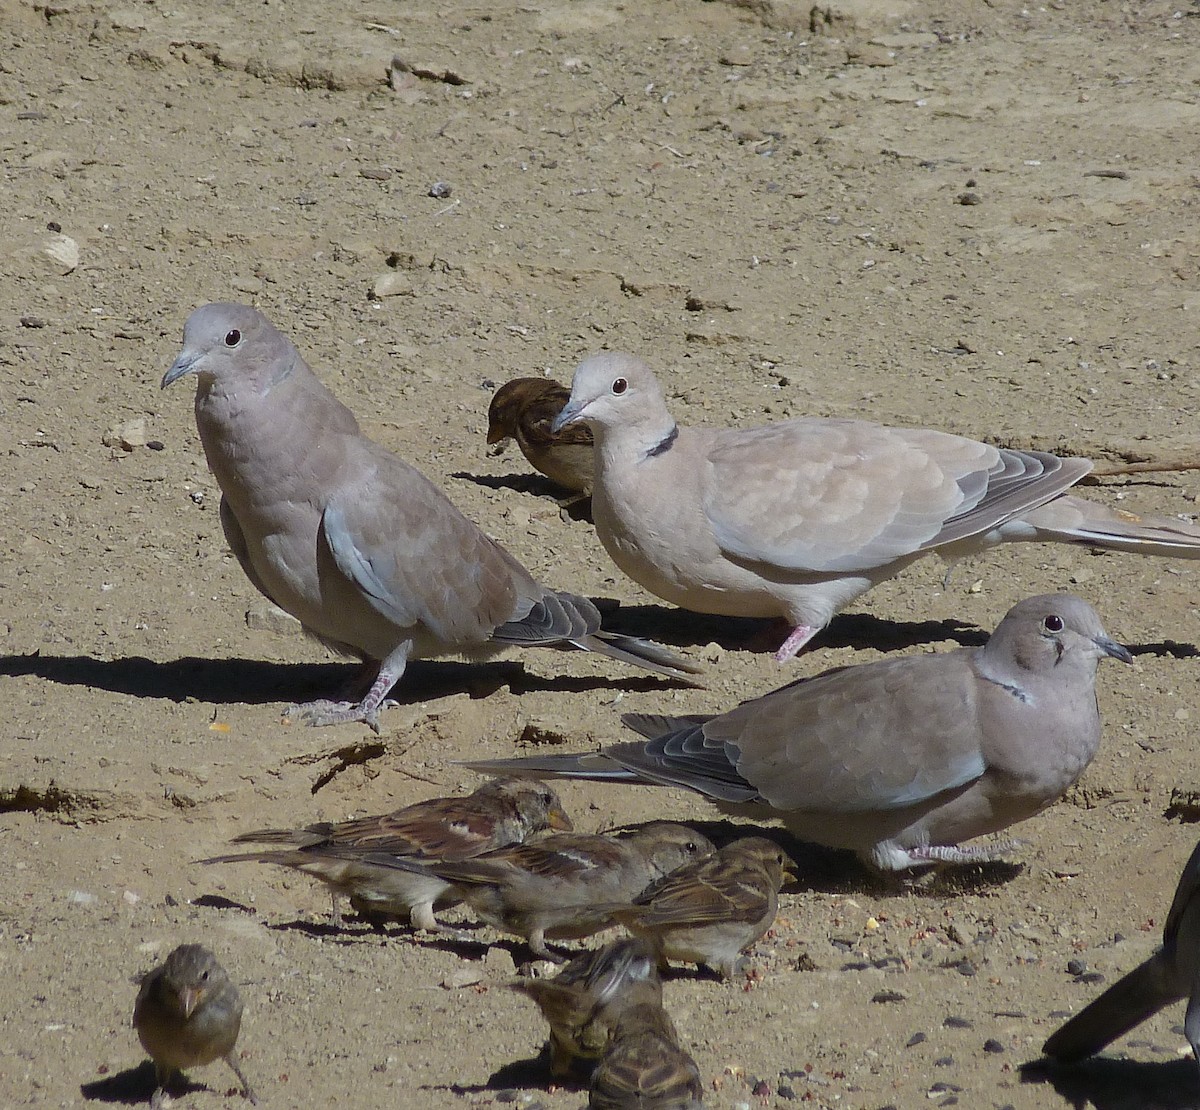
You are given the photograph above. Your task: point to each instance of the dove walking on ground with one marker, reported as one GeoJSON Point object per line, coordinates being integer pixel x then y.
{"type": "Point", "coordinates": [188, 1014]}
{"type": "Point", "coordinates": [1172, 973]}
{"type": "Point", "coordinates": [552, 887]}
{"type": "Point", "coordinates": [711, 910]}
{"type": "Point", "coordinates": [498, 813]}
{"type": "Point", "coordinates": [524, 409]}
{"type": "Point", "coordinates": [584, 1001]}
{"type": "Point", "coordinates": [901, 759]}
{"type": "Point", "coordinates": [797, 519]}
{"type": "Point", "coordinates": [359, 546]}
{"type": "Point", "coordinates": [645, 1068]}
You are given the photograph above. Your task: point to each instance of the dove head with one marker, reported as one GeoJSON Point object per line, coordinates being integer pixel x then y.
{"type": "Point", "coordinates": [232, 342]}
{"type": "Point", "coordinates": [611, 391]}
{"type": "Point", "coordinates": [1050, 635]}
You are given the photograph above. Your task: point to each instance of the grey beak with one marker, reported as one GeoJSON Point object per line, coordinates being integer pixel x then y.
{"type": "Point", "coordinates": [1111, 647]}
{"type": "Point", "coordinates": [184, 364]}
{"type": "Point", "coordinates": [569, 414]}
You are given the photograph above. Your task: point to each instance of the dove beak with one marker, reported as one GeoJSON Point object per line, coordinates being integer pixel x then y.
{"type": "Point", "coordinates": [571, 413]}
{"type": "Point", "coordinates": [1111, 647]}
{"type": "Point", "coordinates": [184, 364]}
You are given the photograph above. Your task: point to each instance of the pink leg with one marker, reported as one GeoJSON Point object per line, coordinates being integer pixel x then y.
{"type": "Point", "coordinates": [800, 636]}
{"type": "Point", "coordinates": [325, 712]}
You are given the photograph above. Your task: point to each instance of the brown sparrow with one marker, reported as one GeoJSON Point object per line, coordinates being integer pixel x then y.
{"type": "Point", "coordinates": [644, 1067]}
{"type": "Point", "coordinates": [188, 1014]}
{"type": "Point", "coordinates": [522, 410]}
{"type": "Point", "coordinates": [500, 812]}
{"type": "Point", "coordinates": [552, 886]}
{"type": "Point", "coordinates": [711, 910]}
{"type": "Point", "coordinates": [584, 1000]}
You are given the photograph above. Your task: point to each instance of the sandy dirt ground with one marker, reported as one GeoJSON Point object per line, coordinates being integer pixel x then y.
{"type": "Point", "coordinates": [978, 216]}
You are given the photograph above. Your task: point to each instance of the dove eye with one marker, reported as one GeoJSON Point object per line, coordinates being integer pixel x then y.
{"type": "Point", "coordinates": [1052, 623]}
{"type": "Point", "coordinates": [619, 386]}
{"type": "Point", "coordinates": [233, 337]}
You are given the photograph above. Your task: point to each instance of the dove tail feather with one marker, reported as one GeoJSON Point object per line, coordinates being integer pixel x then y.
{"type": "Point", "coordinates": [594, 766]}
{"type": "Point", "coordinates": [640, 653]}
{"type": "Point", "coordinates": [1128, 1002]}
{"type": "Point", "coordinates": [1070, 519]}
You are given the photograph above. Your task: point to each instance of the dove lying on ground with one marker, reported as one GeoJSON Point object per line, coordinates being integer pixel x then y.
{"type": "Point", "coordinates": [524, 409]}
{"type": "Point", "coordinates": [798, 518]}
{"type": "Point", "coordinates": [363, 549]}
{"type": "Point", "coordinates": [711, 910]}
{"type": "Point", "coordinates": [1172, 973]}
{"type": "Point", "coordinates": [552, 886]}
{"type": "Point", "coordinates": [584, 1001]}
{"type": "Point", "coordinates": [188, 1013]}
{"type": "Point", "coordinates": [498, 813]}
{"type": "Point", "coordinates": [644, 1067]}
{"type": "Point", "coordinates": [901, 759]}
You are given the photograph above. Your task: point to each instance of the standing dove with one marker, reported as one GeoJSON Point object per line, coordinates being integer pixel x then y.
{"type": "Point", "coordinates": [901, 759]}
{"type": "Point", "coordinates": [188, 1013]}
{"type": "Point", "coordinates": [1172, 973]}
{"type": "Point", "coordinates": [498, 813]}
{"type": "Point", "coordinates": [362, 548]}
{"type": "Point", "coordinates": [524, 409]}
{"type": "Point", "coordinates": [797, 519]}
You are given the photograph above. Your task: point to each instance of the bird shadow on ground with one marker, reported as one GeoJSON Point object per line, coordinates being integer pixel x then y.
{"type": "Point", "coordinates": [1110, 1084]}
{"type": "Point", "coordinates": [840, 871]}
{"type": "Point", "coordinates": [577, 506]}
{"type": "Point", "coordinates": [134, 1085]}
{"type": "Point", "coordinates": [257, 682]}
{"type": "Point", "coordinates": [679, 627]}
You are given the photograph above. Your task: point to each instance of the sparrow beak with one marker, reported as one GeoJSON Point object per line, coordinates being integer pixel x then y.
{"type": "Point", "coordinates": [558, 820]}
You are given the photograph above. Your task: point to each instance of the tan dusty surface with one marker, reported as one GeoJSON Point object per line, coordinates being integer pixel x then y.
{"type": "Point", "coordinates": [776, 213]}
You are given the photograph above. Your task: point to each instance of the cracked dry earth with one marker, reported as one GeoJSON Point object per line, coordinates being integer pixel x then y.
{"type": "Point", "coordinates": [981, 217]}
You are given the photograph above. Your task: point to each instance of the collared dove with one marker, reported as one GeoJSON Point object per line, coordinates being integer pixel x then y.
{"type": "Point", "coordinates": [524, 409]}
{"type": "Point", "coordinates": [711, 910]}
{"type": "Point", "coordinates": [901, 759]}
{"type": "Point", "coordinates": [797, 519]}
{"type": "Point", "coordinates": [368, 554]}
{"type": "Point", "coordinates": [498, 813]}
{"type": "Point", "coordinates": [1172, 973]}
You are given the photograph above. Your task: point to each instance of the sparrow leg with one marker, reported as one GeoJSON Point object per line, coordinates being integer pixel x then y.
{"type": "Point", "coordinates": [247, 1091]}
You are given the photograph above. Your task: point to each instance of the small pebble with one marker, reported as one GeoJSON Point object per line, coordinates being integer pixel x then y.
{"type": "Point", "coordinates": [953, 1022]}
{"type": "Point", "coordinates": [916, 1039]}
{"type": "Point", "coordinates": [887, 996]}
{"type": "Point", "coordinates": [992, 1045]}
{"type": "Point", "coordinates": [440, 189]}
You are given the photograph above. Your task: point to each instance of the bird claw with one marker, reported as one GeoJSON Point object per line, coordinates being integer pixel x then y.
{"type": "Point", "coordinates": [972, 853]}
{"type": "Point", "coordinates": [326, 712]}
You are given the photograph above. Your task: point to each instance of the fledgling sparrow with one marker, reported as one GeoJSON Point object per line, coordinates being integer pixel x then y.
{"type": "Point", "coordinates": [551, 887]}
{"type": "Point", "coordinates": [711, 910]}
{"type": "Point", "coordinates": [523, 410]}
{"type": "Point", "coordinates": [500, 812]}
{"type": "Point", "coordinates": [583, 1002]}
{"type": "Point", "coordinates": [644, 1067]}
{"type": "Point", "coordinates": [188, 1013]}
